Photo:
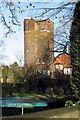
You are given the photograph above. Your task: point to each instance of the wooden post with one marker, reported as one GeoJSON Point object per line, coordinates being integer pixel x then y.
{"type": "Point", "coordinates": [22, 110]}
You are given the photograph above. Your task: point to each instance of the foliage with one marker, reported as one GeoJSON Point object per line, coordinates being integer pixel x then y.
{"type": "Point", "coordinates": [5, 73]}
{"type": "Point", "coordinates": [10, 76]}
{"type": "Point", "coordinates": [20, 90]}
{"type": "Point", "coordinates": [70, 103]}
{"type": "Point", "coordinates": [38, 82]}
{"type": "Point", "coordinates": [17, 71]}
{"type": "Point", "coordinates": [75, 89]}
{"type": "Point", "coordinates": [8, 89]}
{"type": "Point", "coordinates": [75, 49]}
{"type": "Point", "coordinates": [30, 95]}
{"type": "Point", "coordinates": [62, 84]}
{"type": "Point", "coordinates": [14, 73]}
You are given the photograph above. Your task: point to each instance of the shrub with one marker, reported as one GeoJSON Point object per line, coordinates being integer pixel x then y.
{"type": "Point", "coordinates": [70, 103]}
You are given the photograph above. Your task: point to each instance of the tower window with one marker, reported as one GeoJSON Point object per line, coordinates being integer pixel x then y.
{"type": "Point", "coordinates": [28, 24]}
{"type": "Point", "coordinates": [27, 27]}
{"type": "Point", "coordinates": [41, 26]}
{"type": "Point", "coordinates": [26, 21]}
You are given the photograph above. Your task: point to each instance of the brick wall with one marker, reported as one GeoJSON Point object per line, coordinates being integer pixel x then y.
{"type": "Point", "coordinates": [38, 40]}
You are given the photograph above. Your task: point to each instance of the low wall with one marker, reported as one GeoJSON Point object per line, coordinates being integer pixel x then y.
{"type": "Point", "coordinates": [72, 112]}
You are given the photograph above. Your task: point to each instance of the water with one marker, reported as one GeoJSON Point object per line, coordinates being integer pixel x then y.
{"type": "Point", "coordinates": [15, 106]}
{"type": "Point", "coordinates": [21, 102]}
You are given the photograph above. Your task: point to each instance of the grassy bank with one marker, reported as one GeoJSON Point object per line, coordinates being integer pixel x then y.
{"type": "Point", "coordinates": [30, 95]}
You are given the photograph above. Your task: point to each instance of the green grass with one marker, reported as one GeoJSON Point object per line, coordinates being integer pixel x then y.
{"type": "Point", "coordinates": [34, 95]}
{"type": "Point", "coordinates": [27, 95]}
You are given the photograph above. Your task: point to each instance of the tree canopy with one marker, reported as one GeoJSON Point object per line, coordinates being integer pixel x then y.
{"type": "Point", "coordinates": [75, 49]}
{"type": "Point", "coordinates": [13, 74]}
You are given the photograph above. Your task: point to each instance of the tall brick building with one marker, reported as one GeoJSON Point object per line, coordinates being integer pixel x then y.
{"type": "Point", "coordinates": [38, 40]}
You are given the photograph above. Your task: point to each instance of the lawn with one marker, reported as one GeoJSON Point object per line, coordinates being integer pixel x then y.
{"type": "Point", "coordinates": [30, 95]}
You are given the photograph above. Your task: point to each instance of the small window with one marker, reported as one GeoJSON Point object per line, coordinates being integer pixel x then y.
{"type": "Point", "coordinates": [41, 26]}
{"type": "Point", "coordinates": [26, 21]}
{"type": "Point", "coordinates": [44, 71]}
{"type": "Point", "coordinates": [27, 27]}
{"type": "Point", "coordinates": [39, 71]}
{"type": "Point", "coordinates": [48, 72]}
{"type": "Point", "coordinates": [65, 71]}
{"type": "Point", "coordinates": [57, 66]}
{"type": "Point", "coordinates": [27, 50]}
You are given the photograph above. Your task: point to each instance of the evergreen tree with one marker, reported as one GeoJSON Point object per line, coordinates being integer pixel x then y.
{"type": "Point", "coordinates": [75, 49]}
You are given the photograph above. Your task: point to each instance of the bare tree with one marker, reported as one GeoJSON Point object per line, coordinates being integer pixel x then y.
{"type": "Point", "coordinates": [20, 58]}
{"type": "Point", "coordinates": [62, 13]}
{"type": "Point", "coordinates": [2, 56]}
{"type": "Point", "coordinates": [11, 9]}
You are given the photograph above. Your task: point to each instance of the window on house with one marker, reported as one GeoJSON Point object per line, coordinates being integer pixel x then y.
{"type": "Point", "coordinates": [67, 71]}
{"type": "Point", "coordinates": [57, 66]}
{"type": "Point", "coordinates": [48, 72]}
{"type": "Point", "coordinates": [44, 72]}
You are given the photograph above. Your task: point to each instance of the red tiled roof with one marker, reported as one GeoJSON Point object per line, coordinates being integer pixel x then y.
{"type": "Point", "coordinates": [63, 59]}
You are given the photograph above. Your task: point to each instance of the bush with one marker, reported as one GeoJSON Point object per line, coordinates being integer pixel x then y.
{"type": "Point", "coordinates": [9, 88]}
{"type": "Point", "coordinates": [5, 89]}
{"type": "Point", "coordinates": [70, 103]}
{"type": "Point", "coordinates": [62, 84]}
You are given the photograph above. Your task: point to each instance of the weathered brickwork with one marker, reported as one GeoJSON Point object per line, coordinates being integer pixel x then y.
{"type": "Point", "coordinates": [38, 40]}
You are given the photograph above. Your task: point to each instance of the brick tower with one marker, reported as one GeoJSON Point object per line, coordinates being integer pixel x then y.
{"type": "Point", "coordinates": [38, 40]}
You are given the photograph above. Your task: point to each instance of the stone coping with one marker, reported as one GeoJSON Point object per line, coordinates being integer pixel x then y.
{"type": "Point", "coordinates": [70, 112]}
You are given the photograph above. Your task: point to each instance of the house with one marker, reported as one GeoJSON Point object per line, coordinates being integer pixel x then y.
{"type": "Point", "coordinates": [62, 63]}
